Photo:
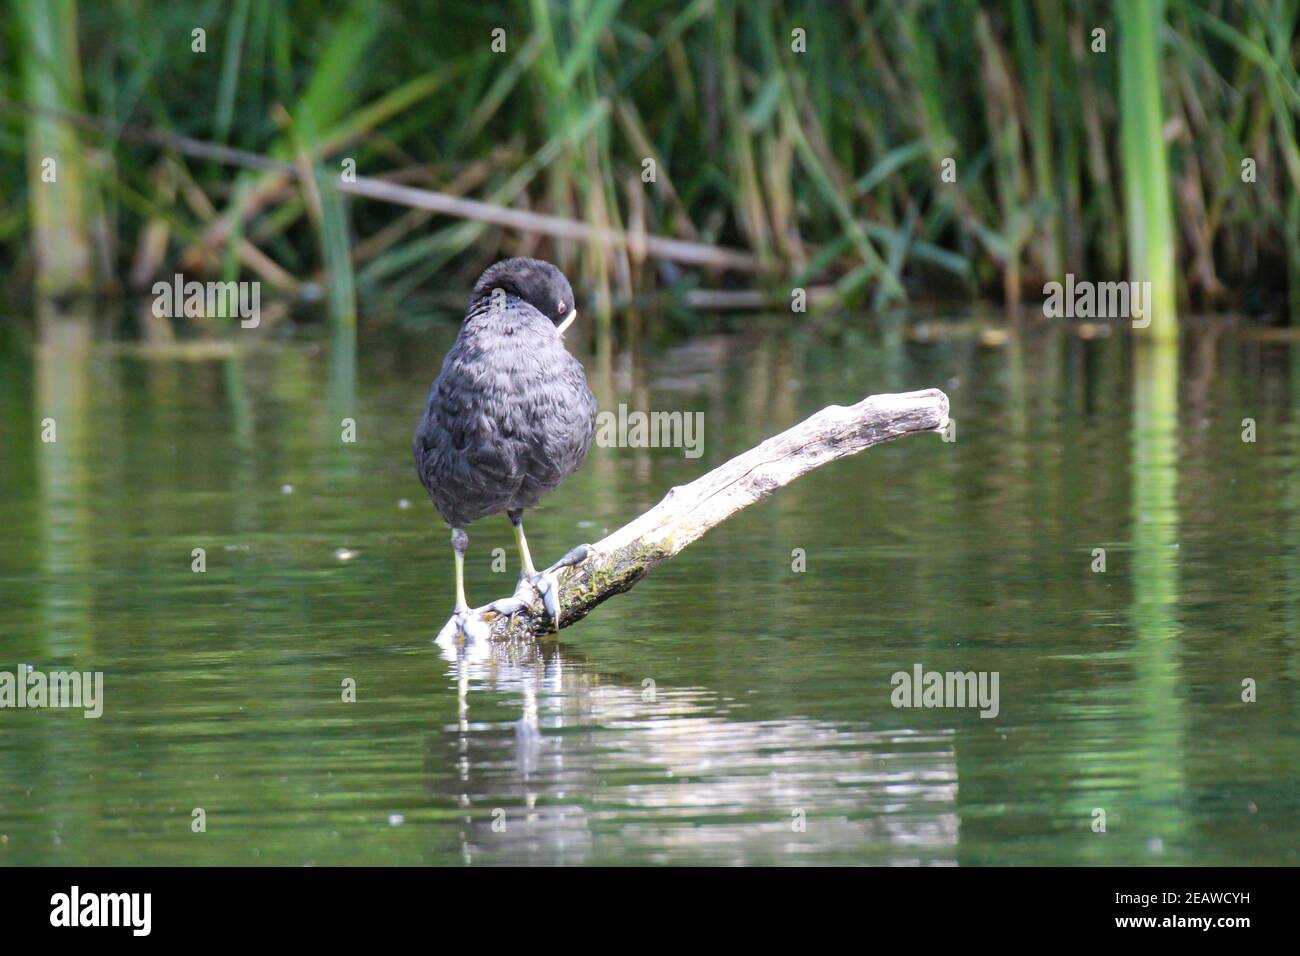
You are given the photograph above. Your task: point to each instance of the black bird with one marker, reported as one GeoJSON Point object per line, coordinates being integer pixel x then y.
{"type": "Point", "coordinates": [509, 417]}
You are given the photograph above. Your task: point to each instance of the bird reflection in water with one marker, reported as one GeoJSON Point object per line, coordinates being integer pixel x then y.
{"type": "Point", "coordinates": [559, 762]}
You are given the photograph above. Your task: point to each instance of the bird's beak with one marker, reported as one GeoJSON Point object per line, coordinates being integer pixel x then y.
{"type": "Point", "coordinates": [568, 320]}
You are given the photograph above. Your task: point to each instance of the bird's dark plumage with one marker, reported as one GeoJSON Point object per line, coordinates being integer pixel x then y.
{"type": "Point", "coordinates": [510, 415]}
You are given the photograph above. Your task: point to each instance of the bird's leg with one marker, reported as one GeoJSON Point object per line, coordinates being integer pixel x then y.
{"type": "Point", "coordinates": [464, 620]}
{"type": "Point", "coordinates": [459, 545]}
{"type": "Point", "coordinates": [531, 581]}
{"type": "Point", "coordinates": [476, 623]}
{"type": "Point", "coordinates": [545, 584]}
{"type": "Point", "coordinates": [525, 558]}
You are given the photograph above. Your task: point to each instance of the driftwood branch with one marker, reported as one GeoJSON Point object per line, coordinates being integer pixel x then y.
{"type": "Point", "coordinates": [621, 559]}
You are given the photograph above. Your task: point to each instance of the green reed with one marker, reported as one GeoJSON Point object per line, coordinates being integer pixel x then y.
{"type": "Point", "coordinates": [910, 149]}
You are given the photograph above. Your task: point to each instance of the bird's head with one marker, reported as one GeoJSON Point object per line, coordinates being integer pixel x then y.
{"type": "Point", "coordinates": [536, 282]}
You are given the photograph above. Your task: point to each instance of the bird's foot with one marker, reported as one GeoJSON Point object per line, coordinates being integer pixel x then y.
{"type": "Point", "coordinates": [546, 585]}
{"type": "Point", "coordinates": [470, 623]}
{"type": "Point", "coordinates": [475, 624]}
{"type": "Point", "coordinates": [543, 585]}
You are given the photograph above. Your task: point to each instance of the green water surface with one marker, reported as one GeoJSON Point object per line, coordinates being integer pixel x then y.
{"type": "Point", "coordinates": [729, 709]}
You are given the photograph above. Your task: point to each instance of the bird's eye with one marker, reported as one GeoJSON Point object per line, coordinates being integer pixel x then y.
{"type": "Point", "coordinates": [559, 309]}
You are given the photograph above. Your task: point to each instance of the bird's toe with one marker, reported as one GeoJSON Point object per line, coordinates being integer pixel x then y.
{"type": "Point", "coordinates": [575, 557]}
{"type": "Point", "coordinates": [549, 589]}
{"type": "Point", "coordinates": [471, 624]}
{"type": "Point", "coordinates": [544, 585]}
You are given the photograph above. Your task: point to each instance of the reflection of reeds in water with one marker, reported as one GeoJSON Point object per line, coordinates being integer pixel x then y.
{"type": "Point", "coordinates": [63, 391]}
{"type": "Point", "coordinates": [1159, 771]}
{"type": "Point", "coordinates": [825, 165]}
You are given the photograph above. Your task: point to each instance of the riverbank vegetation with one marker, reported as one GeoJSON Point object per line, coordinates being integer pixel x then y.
{"type": "Point", "coordinates": [871, 153]}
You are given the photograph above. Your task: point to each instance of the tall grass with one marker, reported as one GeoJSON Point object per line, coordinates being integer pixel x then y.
{"type": "Point", "coordinates": [826, 164]}
{"type": "Point", "coordinates": [1146, 167]}
{"type": "Point", "coordinates": [58, 190]}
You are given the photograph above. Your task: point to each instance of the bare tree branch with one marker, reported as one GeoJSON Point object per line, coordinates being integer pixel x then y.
{"type": "Point", "coordinates": [621, 559]}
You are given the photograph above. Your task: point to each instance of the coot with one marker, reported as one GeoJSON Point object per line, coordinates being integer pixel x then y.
{"type": "Point", "coordinates": [509, 417]}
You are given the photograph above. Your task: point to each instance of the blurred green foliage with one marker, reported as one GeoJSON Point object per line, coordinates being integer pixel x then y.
{"type": "Point", "coordinates": [821, 152]}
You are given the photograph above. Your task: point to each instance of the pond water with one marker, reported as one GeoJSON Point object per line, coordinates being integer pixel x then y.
{"type": "Point", "coordinates": [732, 708]}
